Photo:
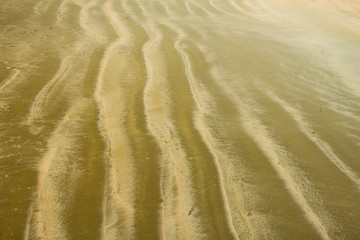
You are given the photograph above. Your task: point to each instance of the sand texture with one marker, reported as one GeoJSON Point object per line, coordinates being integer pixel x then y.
{"type": "Point", "coordinates": [179, 119]}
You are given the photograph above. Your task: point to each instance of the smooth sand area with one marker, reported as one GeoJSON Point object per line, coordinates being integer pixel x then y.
{"type": "Point", "coordinates": [179, 119]}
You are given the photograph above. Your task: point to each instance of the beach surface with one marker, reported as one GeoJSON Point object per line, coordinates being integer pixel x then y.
{"type": "Point", "coordinates": [179, 119]}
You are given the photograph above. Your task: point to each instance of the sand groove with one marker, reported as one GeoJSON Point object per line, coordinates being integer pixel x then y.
{"type": "Point", "coordinates": [118, 191]}
{"type": "Point", "coordinates": [12, 76]}
{"type": "Point", "coordinates": [56, 180]}
{"type": "Point", "coordinates": [313, 137]}
{"type": "Point", "coordinates": [275, 154]}
{"type": "Point", "coordinates": [169, 119]}
{"type": "Point", "coordinates": [176, 187]}
{"type": "Point", "coordinates": [47, 91]}
{"type": "Point", "coordinates": [203, 103]}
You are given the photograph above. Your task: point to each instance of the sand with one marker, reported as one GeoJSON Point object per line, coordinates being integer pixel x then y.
{"type": "Point", "coordinates": [216, 119]}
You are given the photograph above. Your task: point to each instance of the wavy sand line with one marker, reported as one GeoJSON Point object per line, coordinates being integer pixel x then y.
{"type": "Point", "coordinates": [207, 12]}
{"type": "Point", "coordinates": [154, 37]}
{"type": "Point", "coordinates": [315, 138]}
{"type": "Point", "coordinates": [262, 139]}
{"type": "Point", "coordinates": [61, 9]}
{"type": "Point", "coordinates": [191, 6]}
{"type": "Point", "coordinates": [236, 197]}
{"type": "Point", "coordinates": [212, 4]}
{"type": "Point", "coordinates": [201, 97]}
{"type": "Point", "coordinates": [275, 154]}
{"type": "Point", "coordinates": [206, 7]}
{"type": "Point", "coordinates": [228, 8]}
{"type": "Point", "coordinates": [68, 14]}
{"type": "Point", "coordinates": [88, 15]}
{"type": "Point", "coordinates": [9, 79]}
{"type": "Point", "coordinates": [240, 4]}
{"type": "Point", "coordinates": [188, 8]}
{"type": "Point", "coordinates": [160, 135]}
{"type": "Point", "coordinates": [27, 229]}
{"type": "Point", "coordinates": [225, 169]}
{"type": "Point", "coordinates": [113, 204]}
{"type": "Point", "coordinates": [175, 171]}
{"type": "Point", "coordinates": [203, 102]}
{"type": "Point", "coordinates": [126, 45]}
{"type": "Point", "coordinates": [56, 180]}
{"type": "Point", "coordinates": [118, 191]}
{"type": "Point", "coordinates": [118, 203]}
{"type": "Point", "coordinates": [236, 6]}
{"type": "Point", "coordinates": [49, 89]}
{"type": "Point", "coordinates": [241, 8]}
{"type": "Point", "coordinates": [118, 27]}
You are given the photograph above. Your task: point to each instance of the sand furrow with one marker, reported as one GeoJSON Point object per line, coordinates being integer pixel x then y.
{"type": "Point", "coordinates": [132, 73]}
{"type": "Point", "coordinates": [188, 8]}
{"type": "Point", "coordinates": [224, 167]}
{"type": "Point", "coordinates": [276, 154]}
{"type": "Point", "coordinates": [205, 6]}
{"type": "Point", "coordinates": [207, 12]}
{"type": "Point", "coordinates": [170, 119]}
{"type": "Point", "coordinates": [57, 179]}
{"type": "Point", "coordinates": [119, 28]}
{"type": "Point", "coordinates": [93, 22]}
{"type": "Point", "coordinates": [203, 104]}
{"type": "Point", "coordinates": [49, 89]}
{"type": "Point", "coordinates": [217, 8]}
{"type": "Point", "coordinates": [261, 137]}
{"type": "Point", "coordinates": [239, 5]}
{"type": "Point", "coordinates": [306, 128]}
{"type": "Point", "coordinates": [11, 79]}
{"type": "Point", "coordinates": [179, 216]}
{"type": "Point", "coordinates": [119, 190]}
{"type": "Point", "coordinates": [215, 126]}
{"type": "Point", "coordinates": [119, 217]}
{"type": "Point", "coordinates": [201, 97]}
{"type": "Point", "coordinates": [68, 13]}
{"type": "Point", "coordinates": [227, 7]}
{"type": "Point", "coordinates": [204, 174]}
{"type": "Point", "coordinates": [62, 11]}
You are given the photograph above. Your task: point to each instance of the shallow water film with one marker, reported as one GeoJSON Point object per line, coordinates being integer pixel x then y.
{"type": "Point", "coordinates": [179, 119]}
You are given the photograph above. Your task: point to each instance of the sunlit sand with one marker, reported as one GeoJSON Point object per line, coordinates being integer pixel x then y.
{"type": "Point", "coordinates": [149, 119]}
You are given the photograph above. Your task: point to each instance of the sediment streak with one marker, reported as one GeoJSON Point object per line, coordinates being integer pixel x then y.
{"type": "Point", "coordinates": [57, 179]}
{"type": "Point", "coordinates": [203, 103]}
{"type": "Point", "coordinates": [176, 188]}
{"type": "Point", "coordinates": [118, 203]}
{"type": "Point", "coordinates": [157, 75]}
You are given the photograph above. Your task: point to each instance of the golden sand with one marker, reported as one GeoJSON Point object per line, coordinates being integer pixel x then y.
{"type": "Point", "coordinates": [149, 119]}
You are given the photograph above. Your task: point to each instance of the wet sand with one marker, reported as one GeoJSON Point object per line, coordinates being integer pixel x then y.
{"type": "Point", "coordinates": [216, 119]}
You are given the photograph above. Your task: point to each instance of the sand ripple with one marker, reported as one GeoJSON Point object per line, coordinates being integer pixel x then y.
{"type": "Point", "coordinates": [214, 119]}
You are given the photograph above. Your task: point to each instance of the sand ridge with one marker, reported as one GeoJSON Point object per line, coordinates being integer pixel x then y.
{"type": "Point", "coordinates": [213, 119]}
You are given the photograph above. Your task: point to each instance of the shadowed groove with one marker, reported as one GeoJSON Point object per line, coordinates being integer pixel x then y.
{"type": "Point", "coordinates": [223, 108]}
{"type": "Point", "coordinates": [313, 137]}
{"type": "Point", "coordinates": [275, 154]}
{"type": "Point", "coordinates": [118, 202]}
{"type": "Point", "coordinates": [169, 119]}
{"type": "Point", "coordinates": [203, 103]}
{"type": "Point", "coordinates": [203, 11]}
{"type": "Point", "coordinates": [55, 188]}
{"type": "Point", "coordinates": [9, 80]}
{"type": "Point", "coordinates": [204, 171]}
{"type": "Point", "coordinates": [146, 152]}
{"type": "Point", "coordinates": [176, 189]}
{"type": "Point", "coordinates": [208, 134]}
{"type": "Point", "coordinates": [48, 89]}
